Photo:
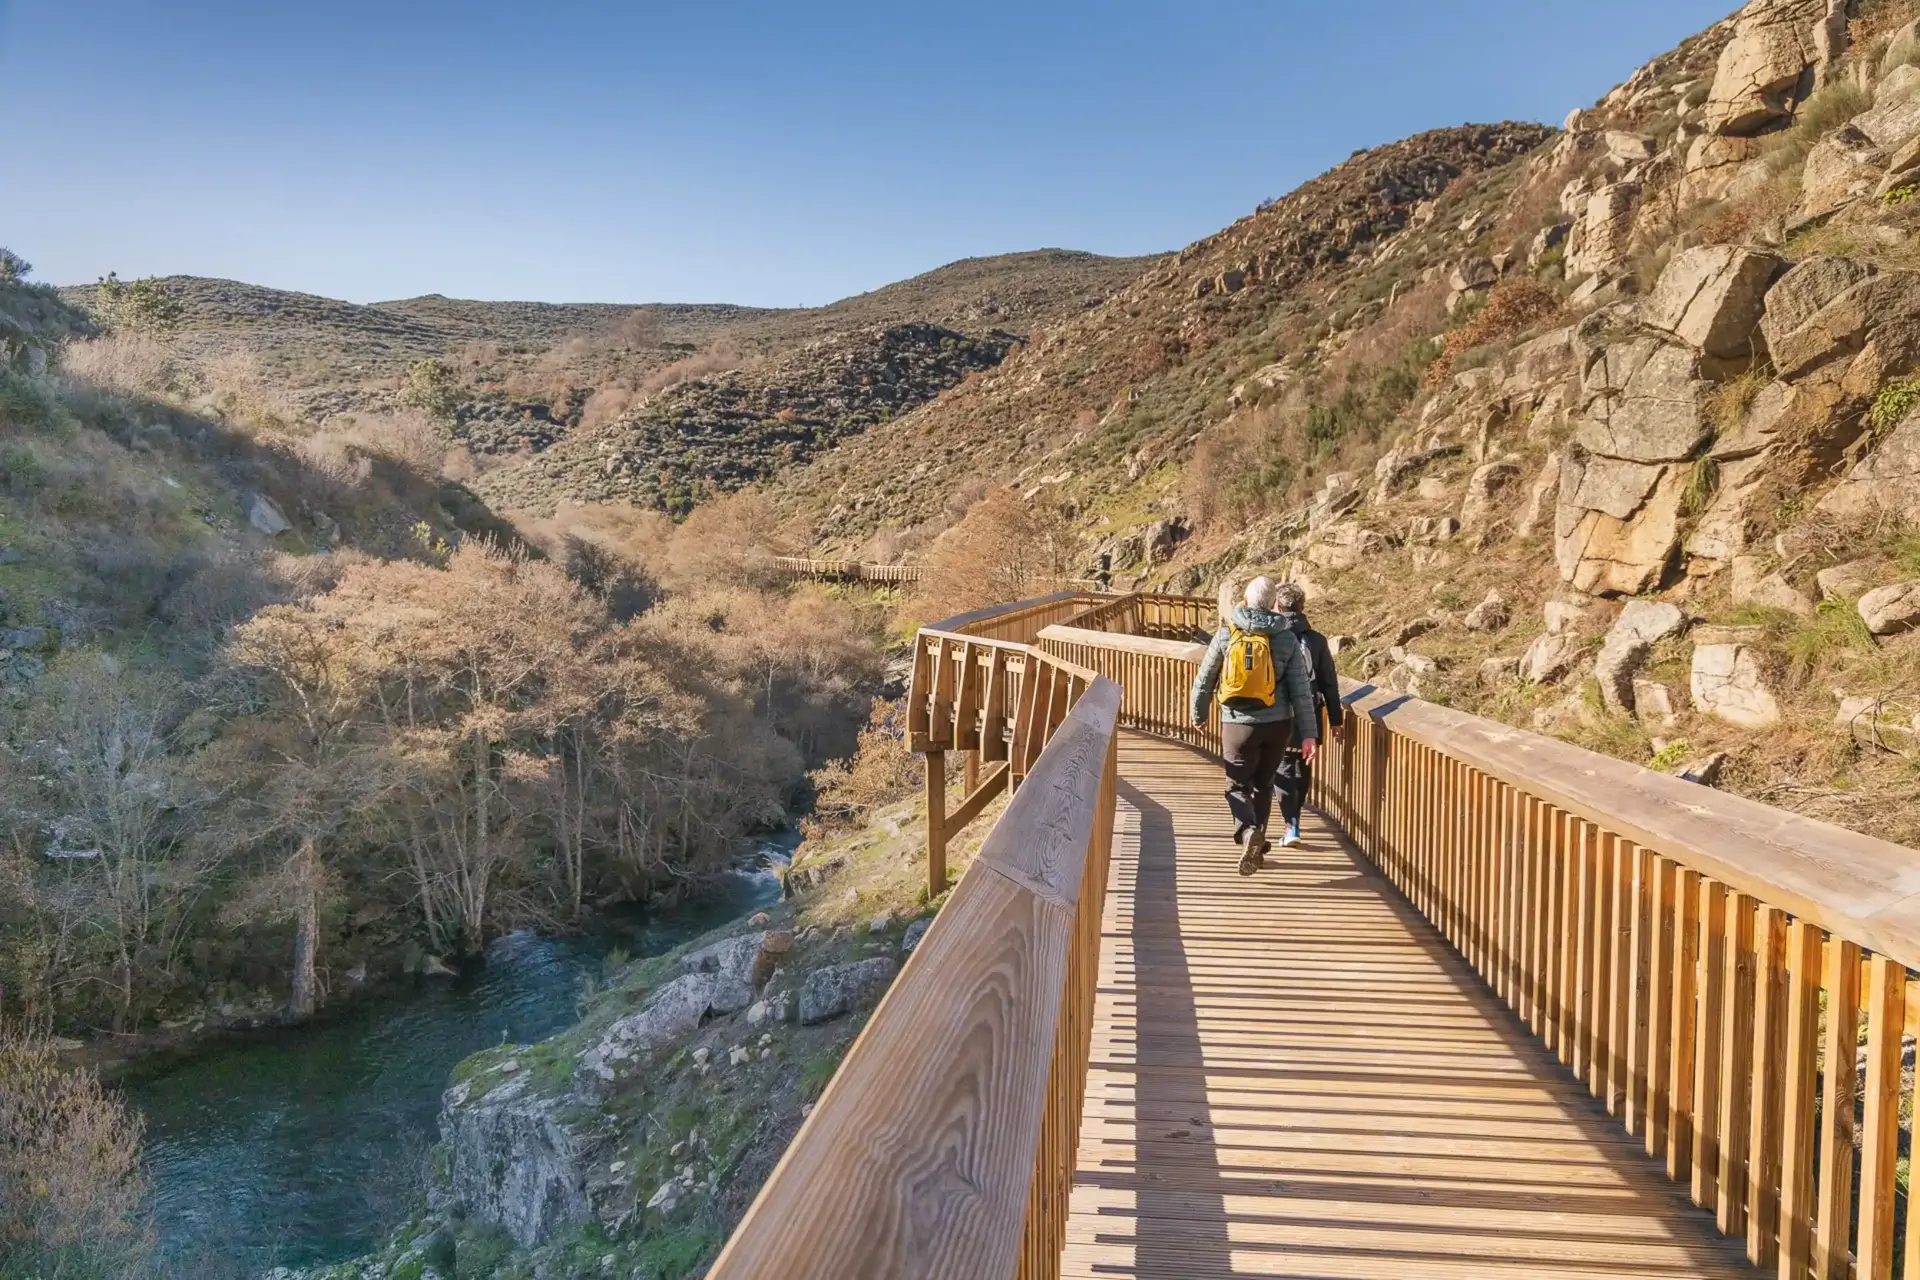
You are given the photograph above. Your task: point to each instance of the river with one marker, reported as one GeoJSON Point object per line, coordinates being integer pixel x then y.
{"type": "Point", "coordinates": [294, 1147]}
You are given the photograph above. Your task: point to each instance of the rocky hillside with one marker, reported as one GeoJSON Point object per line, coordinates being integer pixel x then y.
{"type": "Point", "coordinates": [1609, 431]}
{"type": "Point", "coordinates": [732, 429]}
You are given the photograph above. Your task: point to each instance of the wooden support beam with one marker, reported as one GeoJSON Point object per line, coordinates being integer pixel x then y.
{"type": "Point", "coordinates": [991, 784]}
{"type": "Point", "coordinates": [936, 823]}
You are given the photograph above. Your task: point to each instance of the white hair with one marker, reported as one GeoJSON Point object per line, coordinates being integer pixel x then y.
{"type": "Point", "coordinates": [1260, 593]}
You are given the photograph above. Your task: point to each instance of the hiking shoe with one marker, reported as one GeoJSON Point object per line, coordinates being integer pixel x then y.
{"type": "Point", "coordinates": [1240, 832]}
{"type": "Point", "coordinates": [1291, 835]}
{"type": "Point", "coordinates": [1252, 859]}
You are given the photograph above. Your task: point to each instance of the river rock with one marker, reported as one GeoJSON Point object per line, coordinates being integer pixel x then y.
{"type": "Point", "coordinates": [672, 1010]}
{"type": "Point", "coordinates": [836, 989]}
{"type": "Point", "coordinates": [1729, 681]}
{"type": "Point", "coordinates": [1890, 610]}
{"type": "Point", "coordinates": [512, 1161]}
{"type": "Point", "coordinates": [740, 967]}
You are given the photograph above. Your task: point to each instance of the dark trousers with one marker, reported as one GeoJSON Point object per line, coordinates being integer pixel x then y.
{"type": "Point", "coordinates": [1296, 778]}
{"type": "Point", "coordinates": [1253, 753]}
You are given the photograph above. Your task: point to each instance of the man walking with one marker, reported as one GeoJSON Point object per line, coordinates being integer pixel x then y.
{"type": "Point", "coordinates": [1296, 767]}
{"type": "Point", "coordinates": [1256, 670]}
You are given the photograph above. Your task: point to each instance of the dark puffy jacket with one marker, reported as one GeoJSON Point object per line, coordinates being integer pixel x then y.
{"type": "Point", "coordinates": [1293, 695]}
{"type": "Point", "coordinates": [1326, 679]}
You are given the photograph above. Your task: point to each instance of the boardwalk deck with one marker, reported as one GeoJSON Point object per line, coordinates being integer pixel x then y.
{"type": "Point", "coordinates": [1294, 1076]}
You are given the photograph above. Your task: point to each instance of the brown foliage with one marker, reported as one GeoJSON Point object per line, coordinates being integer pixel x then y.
{"type": "Point", "coordinates": [880, 771]}
{"type": "Point", "coordinates": [70, 1178]}
{"type": "Point", "coordinates": [1512, 307]}
{"type": "Point", "coordinates": [1004, 548]}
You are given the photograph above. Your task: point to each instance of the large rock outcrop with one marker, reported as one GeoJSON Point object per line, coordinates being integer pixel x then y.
{"type": "Point", "coordinates": [1779, 50]}
{"type": "Point", "coordinates": [512, 1161]}
{"type": "Point", "coordinates": [1622, 482]}
{"type": "Point", "coordinates": [1711, 297]}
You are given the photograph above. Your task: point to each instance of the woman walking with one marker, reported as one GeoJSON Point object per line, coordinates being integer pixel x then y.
{"type": "Point", "coordinates": [1255, 669]}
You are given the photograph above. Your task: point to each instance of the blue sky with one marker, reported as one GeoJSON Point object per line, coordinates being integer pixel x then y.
{"type": "Point", "coordinates": [774, 154]}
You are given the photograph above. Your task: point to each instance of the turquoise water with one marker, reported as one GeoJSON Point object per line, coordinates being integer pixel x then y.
{"type": "Point", "coordinates": [302, 1146]}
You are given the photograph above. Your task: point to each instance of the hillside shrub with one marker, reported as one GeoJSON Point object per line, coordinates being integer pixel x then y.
{"type": "Point", "coordinates": [1004, 548]}
{"type": "Point", "coordinates": [13, 267]}
{"type": "Point", "coordinates": [71, 1183]}
{"type": "Point", "coordinates": [146, 306]}
{"type": "Point", "coordinates": [433, 387]}
{"type": "Point", "coordinates": [1512, 307]}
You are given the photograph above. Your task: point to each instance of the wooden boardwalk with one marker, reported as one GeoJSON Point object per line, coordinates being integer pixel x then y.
{"type": "Point", "coordinates": [1294, 1076]}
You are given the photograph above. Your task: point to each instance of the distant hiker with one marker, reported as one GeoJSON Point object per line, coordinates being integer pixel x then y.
{"type": "Point", "coordinates": [1256, 669]}
{"type": "Point", "coordinates": [1296, 767]}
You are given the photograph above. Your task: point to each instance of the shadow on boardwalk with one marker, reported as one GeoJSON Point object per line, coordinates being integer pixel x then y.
{"type": "Point", "coordinates": [1293, 1076]}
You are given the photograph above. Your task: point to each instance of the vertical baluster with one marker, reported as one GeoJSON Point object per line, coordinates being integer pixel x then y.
{"type": "Point", "coordinates": [1585, 950]}
{"type": "Point", "coordinates": [1509, 888]}
{"type": "Point", "coordinates": [1566, 933]}
{"type": "Point", "coordinates": [1532, 980]}
{"type": "Point", "coordinates": [1796, 1138]}
{"type": "Point", "coordinates": [1833, 1230]}
{"type": "Point", "coordinates": [1770, 991]}
{"type": "Point", "coordinates": [1600, 940]}
{"type": "Point", "coordinates": [1660, 1007]}
{"type": "Point", "coordinates": [1620, 978]}
{"type": "Point", "coordinates": [1736, 1066]}
{"type": "Point", "coordinates": [1643, 929]}
{"type": "Point", "coordinates": [1686, 1012]}
{"type": "Point", "coordinates": [1880, 1134]}
{"type": "Point", "coordinates": [1706, 1067]}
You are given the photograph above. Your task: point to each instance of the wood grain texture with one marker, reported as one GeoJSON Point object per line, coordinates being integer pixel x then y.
{"type": "Point", "coordinates": [1863, 889]}
{"type": "Point", "coordinates": [1880, 1128]}
{"type": "Point", "coordinates": [1294, 1075]}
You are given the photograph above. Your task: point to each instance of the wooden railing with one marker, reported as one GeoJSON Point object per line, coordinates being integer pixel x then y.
{"type": "Point", "coordinates": [1714, 970]}
{"type": "Point", "coordinates": [944, 1147]}
{"type": "Point", "coordinates": [1708, 967]}
{"type": "Point", "coordinates": [849, 571]}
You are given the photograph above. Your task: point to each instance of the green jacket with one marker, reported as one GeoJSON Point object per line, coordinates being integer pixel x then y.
{"type": "Point", "coordinates": [1293, 693]}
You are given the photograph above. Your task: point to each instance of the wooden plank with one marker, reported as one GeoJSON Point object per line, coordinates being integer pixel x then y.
{"type": "Point", "coordinates": [1860, 887]}
{"type": "Point", "coordinates": [1769, 1070]}
{"type": "Point", "coordinates": [1585, 947]}
{"type": "Point", "coordinates": [1660, 1007]}
{"type": "Point", "coordinates": [917, 1160]}
{"type": "Point", "coordinates": [1041, 842]}
{"type": "Point", "coordinates": [1712, 1036]}
{"type": "Point", "coordinates": [1796, 1141]}
{"type": "Point", "coordinates": [1736, 1067]}
{"type": "Point", "coordinates": [992, 783]}
{"type": "Point", "coordinates": [1833, 1230]}
{"type": "Point", "coordinates": [1620, 1033]}
{"type": "Point", "coordinates": [936, 807]}
{"type": "Point", "coordinates": [1685, 1009]}
{"type": "Point", "coordinates": [1291, 1076]}
{"type": "Point", "coordinates": [1880, 1129]}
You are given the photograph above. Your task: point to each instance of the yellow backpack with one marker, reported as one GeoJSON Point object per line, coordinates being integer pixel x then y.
{"type": "Point", "coordinates": [1247, 677]}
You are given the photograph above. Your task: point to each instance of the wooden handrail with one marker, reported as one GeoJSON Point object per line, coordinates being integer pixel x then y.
{"type": "Point", "coordinates": [850, 570]}
{"type": "Point", "coordinates": [1700, 961]}
{"type": "Point", "coordinates": [943, 1148]}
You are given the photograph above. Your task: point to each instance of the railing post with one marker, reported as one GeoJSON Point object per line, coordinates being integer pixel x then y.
{"type": "Point", "coordinates": [936, 824]}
